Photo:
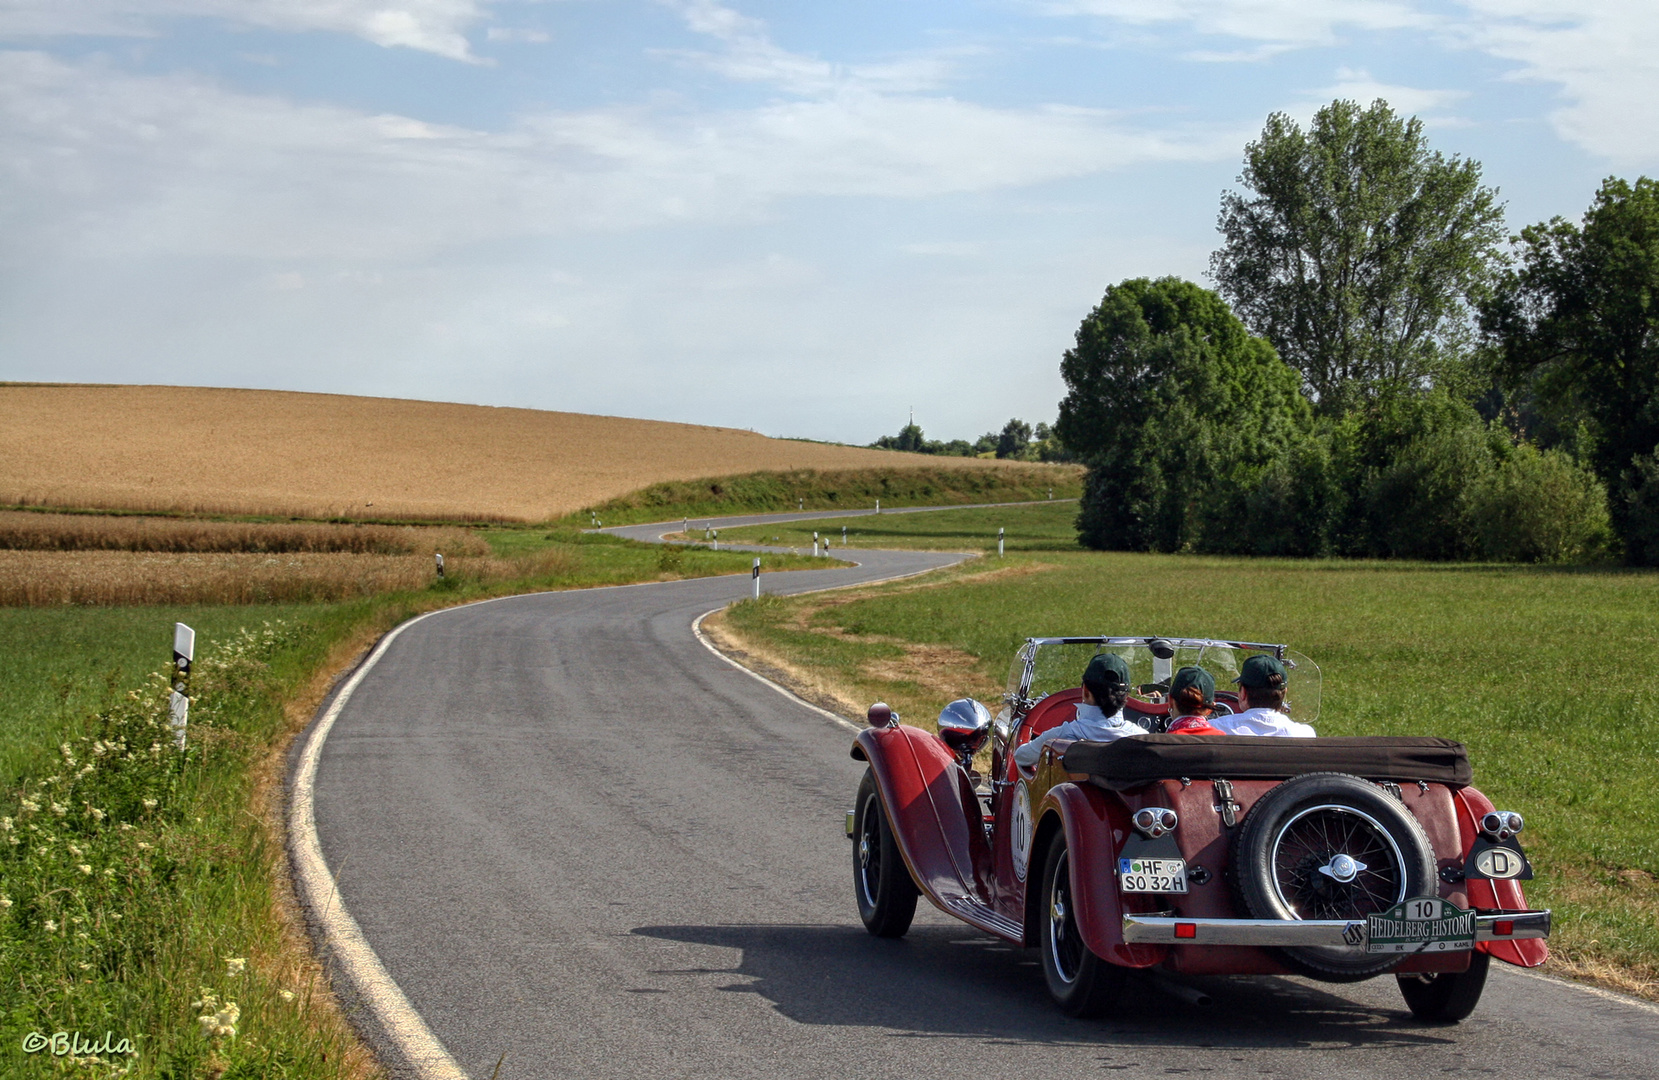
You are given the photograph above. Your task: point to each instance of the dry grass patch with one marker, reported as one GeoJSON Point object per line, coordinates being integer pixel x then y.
{"type": "Point", "coordinates": [33, 531]}
{"type": "Point", "coordinates": [194, 450]}
{"type": "Point", "coordinates": [38, 578]}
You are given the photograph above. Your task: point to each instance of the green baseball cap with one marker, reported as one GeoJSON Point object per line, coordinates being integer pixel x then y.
{"type": "Point", "coordinates": [1197, 678]}
{"type": "Point", "coordinates": [1107, 668]}
{"type": "Point", "coordinates": [1262, 672]}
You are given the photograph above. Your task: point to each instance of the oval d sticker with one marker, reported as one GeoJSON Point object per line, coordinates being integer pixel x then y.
{"type": "Point", "coordinates": [1497, 862]}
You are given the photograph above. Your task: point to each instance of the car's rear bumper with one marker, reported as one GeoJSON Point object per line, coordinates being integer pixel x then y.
{"type": "Point", "coordinates": [1168, 930]}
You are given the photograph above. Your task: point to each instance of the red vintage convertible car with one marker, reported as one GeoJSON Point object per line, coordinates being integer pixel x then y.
{"type": "Point", "coordinates": [1335, 858]}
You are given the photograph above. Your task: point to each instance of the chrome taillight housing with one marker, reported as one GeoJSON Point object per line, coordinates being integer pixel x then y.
{"type": "Point", "coordinates": [1154, 821]}
{"type": "Point", "coordinates": [1501, 824]}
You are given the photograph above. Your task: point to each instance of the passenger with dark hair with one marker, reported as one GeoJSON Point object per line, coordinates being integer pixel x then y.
{"type": "Point", "coordinates": [1099, 717]}
{"type": "Point", "coordinates": [1191, 701]}
{"type": "Point", "coordinates": [1261, 682]}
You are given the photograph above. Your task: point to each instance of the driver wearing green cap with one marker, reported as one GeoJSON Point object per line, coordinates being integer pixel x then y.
{"type": "Point", "coordinates": [1099, 717]}
{"type": "Point", "coordinates": [1261, 682]}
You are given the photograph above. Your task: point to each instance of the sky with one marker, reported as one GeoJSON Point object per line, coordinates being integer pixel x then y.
{"type": "Point", "coordinates": [805, 218]}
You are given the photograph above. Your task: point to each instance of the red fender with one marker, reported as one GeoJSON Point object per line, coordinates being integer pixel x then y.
{"type": "Point", "coordinates": [1095, 828]}
{"type": "Point", "coordinates": [936, 820]}
{"type": "Point", "coordinates": [1484, 893]}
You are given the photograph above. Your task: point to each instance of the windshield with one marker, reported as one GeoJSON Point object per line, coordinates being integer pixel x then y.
{"type": "Point", "coordinates": [1047, 665]}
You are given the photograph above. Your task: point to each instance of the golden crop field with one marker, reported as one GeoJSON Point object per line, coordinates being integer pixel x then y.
{"type": "Point", "coordinates": [194, 450]}
{"type": "Point", "coordinates": [45, 578]}
{"type": "Point", "coordinates": [35, 531]}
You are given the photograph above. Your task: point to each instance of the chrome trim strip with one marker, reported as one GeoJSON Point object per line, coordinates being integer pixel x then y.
{"type": "Point", "coordinates": [1160, 930]}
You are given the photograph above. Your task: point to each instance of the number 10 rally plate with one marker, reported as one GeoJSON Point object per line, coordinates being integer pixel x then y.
{"type": "Point", "coordinates": [1421, 924]}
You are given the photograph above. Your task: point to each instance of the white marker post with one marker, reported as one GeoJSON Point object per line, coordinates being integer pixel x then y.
{"type": "Point", "coordinates": [999, 543]}
{"type": "Point", "coordinates": [440, 557]}
{"type": "Point", "coordinates": [755, 573]}
{"type": "Point", "coordinates": [878, 506]}
{"type": "Point", "coordinates": [843, 536]}
{"type": "Point", "coordinates": [1051, 493]}
{"type": "Point", "coordinates": [685, 527]}
{"type": "Point", "coordinates": [814, 545]}
{"type": "Point", "coordinates": [800, 504]}
{"type": "Point", "coordinates": [716, 541]}
{"type": "Point", "coordinates": [184, 653]}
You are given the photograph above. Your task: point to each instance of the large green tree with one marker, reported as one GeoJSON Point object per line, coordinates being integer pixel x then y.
{"type": "Point", "coordinates": [1578, 317]}
{"type": "Point", "coordinates": [1357, 251]}
{"type": "Point", "coordinates": [1168, 395]}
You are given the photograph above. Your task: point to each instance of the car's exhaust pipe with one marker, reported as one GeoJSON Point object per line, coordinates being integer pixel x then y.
{"type": "Point", "coordinates": [1189, 994]}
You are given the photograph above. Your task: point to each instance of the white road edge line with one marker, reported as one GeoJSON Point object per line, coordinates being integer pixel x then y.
{"type": "Point", "coordinates": [697, 629]}
{"type": "Point", "coordinates": [402, 1024]}
{"type": "Point", "coordinates": [1584, 988]}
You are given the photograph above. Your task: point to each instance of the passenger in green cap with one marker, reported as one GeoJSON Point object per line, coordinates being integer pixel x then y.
{"type": "Point", "coordinates": [1191, 701]}
{"type": "Point", "coordinates": [1099, 717]}
{"type": "Point", "coordinates": [1261, 682]}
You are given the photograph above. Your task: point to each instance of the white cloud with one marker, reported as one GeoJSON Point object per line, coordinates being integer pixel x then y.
{"type": "Point", "coordinates": [114, 162]}
{"type": "Point", "coordinates": [435, 26]}
{"type": "Point", "coordinates": [527, 37]}
{"type": "Point", "coordinates": [1603, 56]}
{"type": "Point", "coordinates": [1276, 25]}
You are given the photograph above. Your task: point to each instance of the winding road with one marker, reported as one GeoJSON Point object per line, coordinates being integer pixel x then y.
{"type": "Point", "coordinates": [558, 833]}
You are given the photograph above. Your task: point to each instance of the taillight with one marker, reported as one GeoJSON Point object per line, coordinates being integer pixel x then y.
{"type": "Point", "coordinates": [1154, 821]}
{"type": "Point", "coordinates": [1501, 824]}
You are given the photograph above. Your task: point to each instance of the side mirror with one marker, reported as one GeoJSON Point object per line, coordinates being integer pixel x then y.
{"type": "Point", "coordinates": [880, 715]}
{"type": "Point", "coordinates": [964, 725]}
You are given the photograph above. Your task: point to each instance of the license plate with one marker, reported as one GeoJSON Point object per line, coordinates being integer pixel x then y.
{"type": "Point", "coordinates": [1152, 875]}
{"type": "Point", "coordinates": [1421, 924]}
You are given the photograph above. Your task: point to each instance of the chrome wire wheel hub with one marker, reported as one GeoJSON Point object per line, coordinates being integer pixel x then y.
{"type": "Point", "coordinates": [1342, 868]}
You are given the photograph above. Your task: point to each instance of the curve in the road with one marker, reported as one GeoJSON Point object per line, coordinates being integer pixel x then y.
{"type": "Point", "coordinates": [571, 834]}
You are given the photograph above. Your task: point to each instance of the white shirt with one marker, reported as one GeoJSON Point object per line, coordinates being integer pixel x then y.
{"type": "Point", "coordinates": [1261, 721]}
{"type": "Point", "coordinates": [1091, 724]}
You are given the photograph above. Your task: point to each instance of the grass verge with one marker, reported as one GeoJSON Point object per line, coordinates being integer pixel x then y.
{"type": "Point", "coordinates": [1544, 672]}
{"type": "Point", "coordinates": [143, 892]}
{"type": "Point", "coordinates": [852, 489]}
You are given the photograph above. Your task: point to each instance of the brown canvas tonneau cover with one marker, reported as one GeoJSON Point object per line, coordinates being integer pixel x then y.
{"type": "Point", "coordinates": [1132, 762]}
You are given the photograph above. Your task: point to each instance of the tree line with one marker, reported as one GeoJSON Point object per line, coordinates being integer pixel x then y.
{"type": "Point", "coordinates": [1380, 369]}
{"type": "Point", "coordinates": [1017, 441]}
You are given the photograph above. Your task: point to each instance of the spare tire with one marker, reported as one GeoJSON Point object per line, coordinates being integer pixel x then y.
{"type": "Point", "coordinates": [1330, 846]}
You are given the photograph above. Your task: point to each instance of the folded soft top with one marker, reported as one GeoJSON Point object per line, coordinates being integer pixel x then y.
{"type": "Point", "coordinates": [1133, 762]}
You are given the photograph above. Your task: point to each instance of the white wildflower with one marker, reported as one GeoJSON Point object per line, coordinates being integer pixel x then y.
{"type": "Point", "coordinates": [50, 926]}
{"type": "Point", "coordinates": [30, 806]}
{"type": "Point", "coordinates": [82, 935]}
{"type": "Point", "coordinates": [109, 871]}
{"type": "Point", "coordinates": [85, 868]}
{"type": "Point", "coordinates": [86, 967]}
{"type": "Point", "coordinates": [5, 824]}
{"type": "Point", "coordinates": [5, 901]}
{"type": "Point", "coordinates": [59, 809]}
{"type": "Point", "coordinates": [75, 851]}
{"type": "Point", "coordinates": [285, 995]}
{"type": "Point", "coordinates": [126, 826]}
{"type": "Point", "coordinates": [235, 964]}
{"type": "Point", "coordinates": [98, 748]}
{"type": "Point", "coordinates": [142, 846]}
{"type": "Point", "coordinates": [149, 804]}
{"type": "Point", "coordinates": [221, 1023]}
{"type": "Point", "coordinates": [97, 814]}
{"type": "Point", "coordinates": [86, 770]}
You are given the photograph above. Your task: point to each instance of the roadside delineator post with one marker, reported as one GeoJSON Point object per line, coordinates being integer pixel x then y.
{"type": "Point", "coordinates": [843, 536]}
{"type": "Point", "coordinates": [800, 504]}
{"type": "Point", "coordinates": [755, 573]}
{"type": "Point", "coordinates": [184, 654]}
{"type": "Point", "coordinates": [440, 557]}
{"type": "Point", "coordinates": [1051, 493]}
{"type": "Point", "coordinates": [715, 543]}
{"type": "Point", "coordinates": [999, 543]}
{"type": "Point", "coordinates": [814, 545]}
{"type": "Point", "coordinates": [878, 506]}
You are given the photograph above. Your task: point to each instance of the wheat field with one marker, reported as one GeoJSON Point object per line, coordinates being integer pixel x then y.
{"type": "Point", "coordinates": [214, 451]}
{"type": "Point", "coordinates": [35, 531]}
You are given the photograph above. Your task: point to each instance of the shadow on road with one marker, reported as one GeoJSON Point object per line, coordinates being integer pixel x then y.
{"type": "Point", "coordinates": [941, 982]}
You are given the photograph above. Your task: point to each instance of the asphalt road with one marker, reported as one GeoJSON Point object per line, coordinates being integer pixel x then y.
{"type": "Point", "coordinates": [578, 839]}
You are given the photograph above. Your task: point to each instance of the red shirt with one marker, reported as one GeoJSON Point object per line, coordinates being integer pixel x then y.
{"type": "Point", "coordinates": [1194, 725]}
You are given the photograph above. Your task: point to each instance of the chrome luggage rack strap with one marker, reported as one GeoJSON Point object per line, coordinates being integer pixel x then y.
{"type": "Point", "coordinates": [1169, 930]}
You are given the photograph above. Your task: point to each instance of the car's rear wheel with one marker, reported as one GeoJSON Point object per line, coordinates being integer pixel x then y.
{"type": "Point", "coordinates": [1080, 982]}
{"type": "Point", "coordinates": [1331, 846]}
{"type": "Point", "coordinates": [1449, 996]}
{"type": "Point", "coordinates": [886, 894]}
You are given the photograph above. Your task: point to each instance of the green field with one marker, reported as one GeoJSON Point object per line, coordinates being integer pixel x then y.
{"type": "Point", "coordinates": [1044, 526]}
{"type": "Point", "coordinates": [118, 914]}
{"type": "Point", "coordinates": [1546, 673]}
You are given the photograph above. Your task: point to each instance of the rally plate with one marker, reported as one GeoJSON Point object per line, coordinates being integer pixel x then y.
{"type": "Point", "coordinates": [1421, 924]}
